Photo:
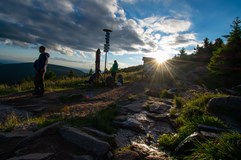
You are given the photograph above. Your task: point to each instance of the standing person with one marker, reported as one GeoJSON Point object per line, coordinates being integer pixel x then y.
{"type": "Point", "coordinates": [40, 66]}
{"type": "Point", "coordinates": [114, 69]}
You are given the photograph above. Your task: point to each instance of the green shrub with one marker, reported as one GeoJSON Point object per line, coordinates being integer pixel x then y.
{"type": "Point", "coordinates": [166, 94]}
{"type": "Point", "coordinates": [178, 102]}
{"type": "Point", "coordinates": [168, 141]}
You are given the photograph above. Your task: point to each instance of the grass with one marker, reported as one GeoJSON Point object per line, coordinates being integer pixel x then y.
{"type": "Point", "coordinates": [50, 85]}
{"type": "Point", "coordinates": [13, 121]}
{"type": "Point", "coordinates": [226, 147]}
{"type": "Point", "coordinates": [101, 120]}
{"type": "Point", "coordinates": [178, 102]}
{"type": "Point", "coordinates": [192, 113]}
{"type": "Point", "coordinates": [62, 83]}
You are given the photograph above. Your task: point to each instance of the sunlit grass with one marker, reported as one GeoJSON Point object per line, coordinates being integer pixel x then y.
{"type": "Point", "coordinates": [50, 85]}
{"type": "Point", "coordinates": [13, 121]}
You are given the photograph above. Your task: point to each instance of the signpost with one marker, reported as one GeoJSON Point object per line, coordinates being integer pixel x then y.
{"type": "Point", "coordinates": [97, 65]}
{"type": "Point", "coordinates": [106, 45]}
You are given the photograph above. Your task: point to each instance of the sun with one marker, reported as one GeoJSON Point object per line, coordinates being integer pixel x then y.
{"type": "Point", "coordinates": [161, 58]}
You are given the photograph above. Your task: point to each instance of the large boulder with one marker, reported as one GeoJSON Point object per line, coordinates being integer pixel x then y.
{"type": "Point", "coordinates": [185, 146]}
{"type": "Point", "coordinates": [85, 141]}
{"type": "Point", "coordinates": [229, 106]}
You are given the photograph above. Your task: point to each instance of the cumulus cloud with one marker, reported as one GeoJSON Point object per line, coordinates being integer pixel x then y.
{"type": "Point", "coordinates": [166, 25]}
{"type": "Point", "coordinates": [76, 26]}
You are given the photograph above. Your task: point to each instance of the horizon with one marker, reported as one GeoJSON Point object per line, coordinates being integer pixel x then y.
{"type": "Point", "coordinates": [73, 31]}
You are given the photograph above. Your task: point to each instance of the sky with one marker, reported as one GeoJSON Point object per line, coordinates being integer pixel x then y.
{"type": "Point", "coordinates": [72, 30]}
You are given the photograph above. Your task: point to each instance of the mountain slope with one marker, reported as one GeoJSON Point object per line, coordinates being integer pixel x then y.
{"type": "Point", "coordinates": [13, 73]}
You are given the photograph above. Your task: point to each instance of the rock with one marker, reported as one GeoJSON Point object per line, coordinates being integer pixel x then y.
{"type": "Point", "coordinates": [127, 155]}
{"type": "Point", "coordinates": [172, 91]}
{"type": "Point", "coordinates": [159, 117]}
{"type": "Point", "coordinates": [123, 137]}
{"type": "Point", "coordinates": [134, 107]}
{"type": "Point", "coordinates": [82, 157]}
{"type": "Point", "coordinates": [51, 128]}
{"type": "Point", "coordinates": [3, 138]}
{"type": "Point", "coordinates": [229, 106]}
{"type": "Point", "coordinates": [147, 151]}
{"type": "Point", "coordinates": [142, 117]}
{"type": "Point", "coordinates": [154, 92]}
{"type": "Point", "coordinates": [33, 156]}
{"type": "Point", "coordinates": [162, 127]}
{"type": "Point", "coordinates": [188, 143]}
{"type": "Point", "coordinates": [153, 157]}
{"type": "Point", "coordinates": [16, 134]}
{"type": "Point", "coordinates": [121, 118]}
{"type": "Point", "coordinates": [99, 134]}
{"type": "Point", "coordinates": [84, 141]}
{"type": "Point", "coordinates": [131, 124]}
{"type": "Point", "coordinates": [159, 107]}
{"type": "Point", "coordinates": [202, 127]}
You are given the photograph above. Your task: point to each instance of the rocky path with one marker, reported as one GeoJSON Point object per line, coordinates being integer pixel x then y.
{"type": "Point", "coordinates": [140, 120]}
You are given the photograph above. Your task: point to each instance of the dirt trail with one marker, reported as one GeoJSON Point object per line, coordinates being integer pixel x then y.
{"type": "Point", "coordinates": [89, 99]}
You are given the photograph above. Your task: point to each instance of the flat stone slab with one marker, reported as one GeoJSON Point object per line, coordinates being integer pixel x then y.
{"type": "Point", "coordinates": [134, 107]}
{"type": "Point", "coordinates": [131, 124]}
{"type": "Point", "coordinates": [85, 141]}
{"type": "Point", "coordinates": [123, 137]}
{"type": "Point", "coordinates": [16, 134]}
{"type": "Point", "coordinates": [32, 156]}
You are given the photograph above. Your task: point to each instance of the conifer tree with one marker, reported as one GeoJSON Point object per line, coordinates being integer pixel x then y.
{"type": "Point", "coordinates": [226, 61]}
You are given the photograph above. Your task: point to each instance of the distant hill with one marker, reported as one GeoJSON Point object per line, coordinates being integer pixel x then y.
{"type": "Point", "coordinates": [13, 73]}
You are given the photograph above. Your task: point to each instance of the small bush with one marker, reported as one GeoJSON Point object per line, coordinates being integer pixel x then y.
{"type": "Point", "coordinates": [178, 102]}
{"type": "Point", "coordinates": [168, 141]}
{"type": "Point", "coordinates": [165, 94]}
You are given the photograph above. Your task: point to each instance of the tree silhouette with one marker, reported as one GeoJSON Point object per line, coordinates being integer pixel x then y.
{"type": "Point", "coordinates": [182, 52]}
{"type": "Point", "coordinates": [50, 75]}
{"type": "Point", "coordinates": [71, 74]}
{"type": "Point", "coordinates": [226, 61]}
{"type": "Point", "coordinates": [90, 72]}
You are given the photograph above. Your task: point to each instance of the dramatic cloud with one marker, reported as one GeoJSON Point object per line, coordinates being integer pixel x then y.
{"type": "Point", "coordinates": [67, 60]}
{"type": "Point", "coordinates": [166, 25]}
{"type": "Point", "coordinates": [77, 26]}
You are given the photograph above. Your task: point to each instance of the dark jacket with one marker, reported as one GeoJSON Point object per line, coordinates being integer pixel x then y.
{"type": "Point", "coordinates": [41, 62]}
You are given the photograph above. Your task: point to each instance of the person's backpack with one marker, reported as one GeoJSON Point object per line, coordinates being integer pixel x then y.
{"type": "Point", "coordinates": [109, 82]}
{"type": "Point", "coordinates": [120, 79]}
{"type": "Point", "coordinates": [35, 64]}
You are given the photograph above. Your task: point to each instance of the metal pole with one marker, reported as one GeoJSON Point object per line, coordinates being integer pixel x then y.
{"type": "Point", "coordinates": [105, 63]}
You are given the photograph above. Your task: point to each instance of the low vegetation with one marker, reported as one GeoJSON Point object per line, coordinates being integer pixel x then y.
{"type": "Point", "coordinates": [101, 120]}
{"type": "Point", "coordinates": [193, 112]}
